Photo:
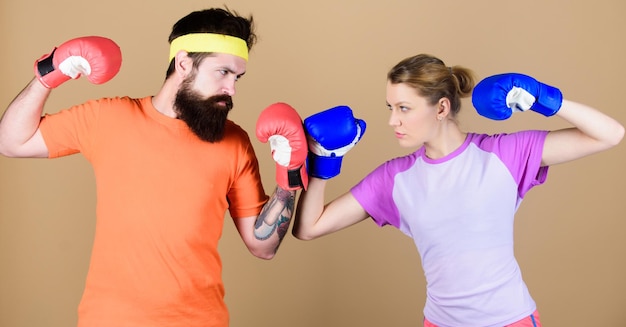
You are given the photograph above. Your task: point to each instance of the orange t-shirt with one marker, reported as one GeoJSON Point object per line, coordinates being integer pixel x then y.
{"type": "Point", "coordinates": [162, 194]}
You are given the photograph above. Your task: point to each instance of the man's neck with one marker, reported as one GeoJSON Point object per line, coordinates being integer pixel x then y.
{"type": "Point", "coordinates": [163, 101]}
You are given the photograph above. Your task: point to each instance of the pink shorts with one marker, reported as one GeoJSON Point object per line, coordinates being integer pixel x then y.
{"type": "Point", "coordinates": [530, 321]}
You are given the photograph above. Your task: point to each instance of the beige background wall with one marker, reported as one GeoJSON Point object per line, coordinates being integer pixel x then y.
{"type": "Point", "coordinates": [314, 55]}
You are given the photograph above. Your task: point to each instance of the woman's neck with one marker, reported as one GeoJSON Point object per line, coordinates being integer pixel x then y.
{"type": "Point", "coordinates": [448, 139]}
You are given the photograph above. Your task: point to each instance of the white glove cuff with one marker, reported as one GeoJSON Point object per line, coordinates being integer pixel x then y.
{"type": "Point", "coordinates": [319, 150]}
{"type": "Point", "coordinates": [74, 66]}
{"type": "Point", "coordinates": [281, 150]}
{"type": "Point", "coordinates": [519, 99]}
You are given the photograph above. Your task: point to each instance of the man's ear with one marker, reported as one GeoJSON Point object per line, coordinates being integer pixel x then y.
{"type": "Point", "coordinates": [182, 63]}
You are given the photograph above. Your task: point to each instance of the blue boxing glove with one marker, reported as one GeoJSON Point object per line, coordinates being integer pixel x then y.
{"type": "Point", "coordinates": [331, 134]}
{"type": "Point", "coordinates": [499, 96]}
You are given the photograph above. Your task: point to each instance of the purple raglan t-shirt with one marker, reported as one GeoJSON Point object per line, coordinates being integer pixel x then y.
{"type": "Point", "coordinates": [459, 210]}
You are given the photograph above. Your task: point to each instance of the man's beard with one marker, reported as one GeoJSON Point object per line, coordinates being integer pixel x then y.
{"type": "Point", "coordinates": [206, 117]}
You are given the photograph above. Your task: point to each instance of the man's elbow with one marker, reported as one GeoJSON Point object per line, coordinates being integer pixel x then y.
{"type": "Point", "coordinates": [7, 152]}
{"type": "Point", "coordinates": [263, 253]}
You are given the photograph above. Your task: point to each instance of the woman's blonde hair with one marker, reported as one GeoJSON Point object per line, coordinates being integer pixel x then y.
{"type": "Point", "coordinates": [432, 79]}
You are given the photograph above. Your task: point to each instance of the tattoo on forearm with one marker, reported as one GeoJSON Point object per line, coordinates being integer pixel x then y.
{"type": "Point", "coordinates": [276, 215]}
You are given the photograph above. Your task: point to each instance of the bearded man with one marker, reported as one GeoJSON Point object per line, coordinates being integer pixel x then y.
{"type": "Point", "coordinates": [167, 167]}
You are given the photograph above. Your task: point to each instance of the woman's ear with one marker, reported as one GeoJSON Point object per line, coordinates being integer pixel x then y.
{"type": "Point", "coordinates": [443, 108]}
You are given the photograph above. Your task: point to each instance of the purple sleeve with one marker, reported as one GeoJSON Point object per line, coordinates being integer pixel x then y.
{"type": "Point", "coordinates": [375, 191]}
{"type": "Point", "coordinates": [521, 152]}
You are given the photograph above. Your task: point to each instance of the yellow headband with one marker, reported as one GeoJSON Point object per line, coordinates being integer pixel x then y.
{"type": "Point", "coordinates": [208, 42]}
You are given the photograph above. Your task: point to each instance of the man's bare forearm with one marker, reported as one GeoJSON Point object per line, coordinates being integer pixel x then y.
{"type": "Point", "coordinates": [273, 221]}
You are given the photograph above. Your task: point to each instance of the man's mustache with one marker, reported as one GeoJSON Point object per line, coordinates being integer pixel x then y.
{"type": "Point", "coordinates": [225, 98]}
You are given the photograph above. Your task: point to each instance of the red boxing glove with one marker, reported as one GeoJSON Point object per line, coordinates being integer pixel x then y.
{"type": "Point", "coordinates": [281, 125]}
{"type": "Point", "coordinates": [96, 57]}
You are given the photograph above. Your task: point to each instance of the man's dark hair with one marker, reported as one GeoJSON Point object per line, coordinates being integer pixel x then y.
{"type": "Point", "coordinates": [213, 20]}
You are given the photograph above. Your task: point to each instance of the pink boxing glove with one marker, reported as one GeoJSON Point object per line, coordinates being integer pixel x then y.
{"type": "Point", "coordinates": [281, 125]}
{"type": "Point", "coordinates": [98, 58]}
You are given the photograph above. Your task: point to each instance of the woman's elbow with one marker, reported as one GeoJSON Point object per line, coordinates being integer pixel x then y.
{"type": "Point", "coordinates": [301, 235]}
{"type": "Point", "coordinates": [617, 135]}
